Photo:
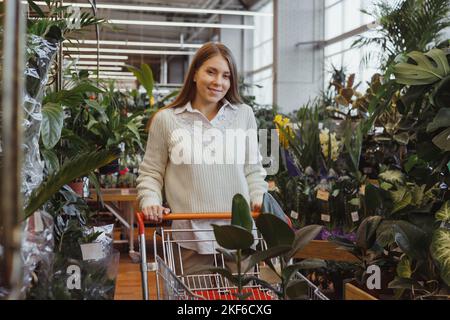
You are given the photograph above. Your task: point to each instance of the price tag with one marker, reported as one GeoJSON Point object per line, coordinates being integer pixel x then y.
{"type": "Point", "coordinates": [92, 251]}
{"type": "Point", "coordinates": [355, 216]}
{"type": "Point", "coordinates": [124, 192]}
{"type": "Point", "coordinates": [38, 224]}
{"type": "Point", "coordinates": [362, 189]}
{"type": "Point", "coordinates": [320, 125]}
{"type": "Point", "coordinates": [325, 217]}
{"type": "Point", "coordinates": [323, 195]}
{"type": "Point", "coordinates": [294, 215]}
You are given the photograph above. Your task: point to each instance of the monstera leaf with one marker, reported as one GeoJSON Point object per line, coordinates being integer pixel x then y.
{"type": "Point", "coordinates": [428, 68]}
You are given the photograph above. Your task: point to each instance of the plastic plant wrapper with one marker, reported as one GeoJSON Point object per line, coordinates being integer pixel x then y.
{"type": "Point", "coordinates": [37, 246]}
{"type": "Point", "coordinates": [37, 253]}
{"type": "Point", "coordinates": [40, 55]}
{"type": "Point", "coordinates": [75, 279]}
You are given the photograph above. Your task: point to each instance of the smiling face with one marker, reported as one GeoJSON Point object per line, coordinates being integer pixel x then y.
{"type": "Point", "coordinates": [212, 80]}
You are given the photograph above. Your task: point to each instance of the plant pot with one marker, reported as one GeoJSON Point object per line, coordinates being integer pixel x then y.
{"type": "Point", "coordinates": [77, 187]}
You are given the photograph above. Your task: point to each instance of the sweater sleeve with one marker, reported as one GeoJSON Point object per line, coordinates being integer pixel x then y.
{"type": "Point", "coordinates": [152, 169]}
{"type": "Point", "coordinates": [253, 169]}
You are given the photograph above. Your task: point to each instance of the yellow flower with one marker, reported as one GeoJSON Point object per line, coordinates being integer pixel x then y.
{"type": "Point", "coordinates": [285, 124]}
{"type": "Point", "coordinates": [324, 137]}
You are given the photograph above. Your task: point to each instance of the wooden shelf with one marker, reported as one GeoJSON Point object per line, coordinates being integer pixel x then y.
{"type": "Point", "coordinates": [325, 250]}
{"type": "Point", "coordinates": [352, 292]}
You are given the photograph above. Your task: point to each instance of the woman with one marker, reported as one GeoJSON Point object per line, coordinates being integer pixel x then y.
{"type": "Point", "coordinates": [194, 169]}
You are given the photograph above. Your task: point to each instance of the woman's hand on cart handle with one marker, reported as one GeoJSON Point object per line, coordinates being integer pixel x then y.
{"type": "Point", "coordinates": [155, 213]}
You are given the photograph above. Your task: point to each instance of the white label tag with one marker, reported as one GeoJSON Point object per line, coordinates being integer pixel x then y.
{"type": "Point", "coordinates": [38, 224]}
{"type": "Point", "coordinates": [325, 217]}
{"type": "Point", "coordinates": [92, 251]}
{"type": "Point", "coordinates": [294, 215]}
{"type": "Point", "coordinates": [355, 216]}
{"type": "Point", "coordinates": [125, 192]}
{"type": "Point", "coordinates": [323, 195]}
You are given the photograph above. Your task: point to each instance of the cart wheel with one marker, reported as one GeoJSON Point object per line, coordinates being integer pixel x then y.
{"type": "Point", "coordinates": [135, 256]}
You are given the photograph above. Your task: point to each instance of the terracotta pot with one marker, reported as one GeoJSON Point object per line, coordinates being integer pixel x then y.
{"type": "Point", "coordinates": [77, 187]}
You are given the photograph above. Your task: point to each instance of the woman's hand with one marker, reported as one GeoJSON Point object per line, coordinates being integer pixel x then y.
{"type": "Point", "coordinates": [154, 213]}
{"type": "Point", "coordinates": [256, 207]}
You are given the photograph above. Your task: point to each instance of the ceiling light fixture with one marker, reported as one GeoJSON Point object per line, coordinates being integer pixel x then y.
{"type": "Point", "coordinates": [137, 44]}
{"type": "Point", "coordinates": [182, 24]}
{"type": "Point", "coordinates": [164, 9]}
{"type": "Point", "coordinates": [94, 56]}
{"type": "Point", "coordinates": [95, 68]}
{"type": "Point", "coordinates": [132, 51]}
{"type": "Point", "coordinates": [94, 63]}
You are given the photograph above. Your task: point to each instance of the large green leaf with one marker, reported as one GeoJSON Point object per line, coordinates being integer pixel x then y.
{"type": "Point", "coordinates": [240, 213]}
{"type": "Point", "coordinates": [441, 120]}
{"type": "Point", "coordinates": [290, 270]}
{"type": "Point", "coordinates": [73, 97]}
{"type": "Point", "coordinates": [366, 233]}
{"type": "Point", "coordinates": [77, 167]}
{"type": "Point", "coordinates": [52, 123]}
{"type": "Point", "coordinates": [233, 237]}
{"type": "Point", "coordinates": [440, 251]}
{"type": "Point", "coordinates": [265, 255]}
{"type": "Point", "coordinates": [274, 230]}
{"type": "Point", "coordinates": [303, 237]}
{"type": "Point", "coordinates": [411, 239]}
{"type": "Point", "coordinates": [425, 71]}
{"type": "Point", "coordinates": [442, 140]}
{"type": "Point", "coordinates": [443, 214]}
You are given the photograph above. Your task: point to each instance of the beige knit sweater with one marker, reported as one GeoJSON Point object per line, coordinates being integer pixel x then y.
{"type": "Point", "coordinates": [188, 157]}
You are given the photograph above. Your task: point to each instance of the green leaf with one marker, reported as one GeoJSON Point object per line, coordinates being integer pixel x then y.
{"type": "Point", "coordinates": [411, 239]}
{"type": "Point", "coordinates": [77, 167]}
{"type": "Point", "coordinates": [303, 237]}
{"type": "Point", "coordinates": [424, 71]}
{"type": "Point", "coordinates": [265, 255]}
{"type": "Point", "coordinates": [441, 120]}
{"type": "Point", "coordinates": [385, 233]}
{"type": "Point", "coordinates": [355, 202]}
{"type": "Point", "coordinates": [240, 213]}
{"type": "Point", "coordinates": [52, 123]}
{"type": "Point", "coordinates": [443, 214]}
{"type": "Point", "coordinates": [51, 160]}
{"type": "Point", "coordinates": [274, 230]}
{"type": "Point", "coordinates": [99, 108]}
{"type": "Point", "coordinates": [441, 95]}
{"type": "Point", "coordinates": [366, 233]}
{"type": "Point", "coordinates": [404, 267]}
{"type": "Point", "coordinates": [36, 8]}
{"type": "Point", "coordinates": [297, 290]}
{"type": "Point", "coordinates": [402, 283]}
{"type": "Point", "coordinates": [233, 237]}
{"type": "Point", "coordinates": [402, 138]}
{"type": "Point", "coordinates": [402, 198]}
{"type": "Point", "coordinates": [440, 251]}
{"type": "Point", "coordinates": [442, 140]}
{"type": "Point", "coordinates": [392, 176]}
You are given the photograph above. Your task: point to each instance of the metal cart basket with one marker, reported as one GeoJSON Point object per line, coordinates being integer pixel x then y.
{"type": "Point", "coordinates": [173, 283]}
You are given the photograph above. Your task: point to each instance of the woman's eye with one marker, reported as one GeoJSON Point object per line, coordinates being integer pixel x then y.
{"type": "Point", "coordinates": [226, 76]}
{"type": "Point", "coordinates": [209, 72]}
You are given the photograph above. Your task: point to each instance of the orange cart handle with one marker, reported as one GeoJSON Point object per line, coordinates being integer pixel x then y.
{"type": "Point", "coordinates": [188, 216]}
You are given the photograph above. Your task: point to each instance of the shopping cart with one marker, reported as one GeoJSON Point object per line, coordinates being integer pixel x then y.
{"type": "Point", "coordinates": [172, 283]}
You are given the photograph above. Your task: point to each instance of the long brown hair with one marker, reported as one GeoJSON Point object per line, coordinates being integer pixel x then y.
{"type": "Point", "coordinates": [207, 51]}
